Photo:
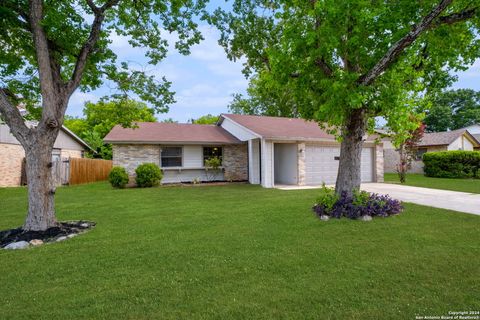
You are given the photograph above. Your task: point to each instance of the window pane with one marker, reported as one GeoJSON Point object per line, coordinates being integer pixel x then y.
{"type": "Point", "coordinates": [212, 152]}
{"type": "Point", "coordinates": [172, 162]}
{"type": "Point", "coordinates": [171, 151]}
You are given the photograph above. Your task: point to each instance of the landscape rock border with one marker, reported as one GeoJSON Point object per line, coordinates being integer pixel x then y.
{"type": "Point", "coordinates": [18, 239]}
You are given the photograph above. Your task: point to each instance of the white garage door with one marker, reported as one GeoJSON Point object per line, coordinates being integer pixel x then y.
{"type": "Point", "coordinates": [321, 164]}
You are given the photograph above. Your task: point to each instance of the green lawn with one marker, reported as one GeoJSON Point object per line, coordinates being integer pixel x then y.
{"type": "Point", "coordinates": [419, 180]}
{"type": "Point", "coordinates": [237, 252]}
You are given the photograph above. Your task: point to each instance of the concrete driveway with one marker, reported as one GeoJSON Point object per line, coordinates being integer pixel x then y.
{"type": "Point", "coordinates": [452, 200]}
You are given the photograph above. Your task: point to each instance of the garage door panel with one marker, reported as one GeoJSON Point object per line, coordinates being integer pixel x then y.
{"type": "Point", "coordinates": [321, 166]}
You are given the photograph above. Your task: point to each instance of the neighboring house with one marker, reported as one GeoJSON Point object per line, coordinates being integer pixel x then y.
{"type": "Point", "coordinates": [460, 139]}
{"type": "Point", "coordinates": [263, 150]}
{"type": "Point", "coordinates": [67, 145]}
{"type": "Point", "coordinates": [475, 131]}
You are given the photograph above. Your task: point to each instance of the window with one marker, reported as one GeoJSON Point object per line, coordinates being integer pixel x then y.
{"type": "Point", "coordinates": [171, 157]}
{"type": "Point", "coordinates": [56, 155]}
{"type": "Point", "coordinates": [212, 152]}
{"type": "Point", "coordinates": [420, 153]}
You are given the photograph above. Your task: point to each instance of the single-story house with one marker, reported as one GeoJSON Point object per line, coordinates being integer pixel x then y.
{"type": "Point", "coordinates": [262, 150]}
{"type": "Point", "coordinates": [67, 145]}
{"type": "Point", "coordinates": [474, 129]}
{"type": "Point", "coordinates": [460, 139]}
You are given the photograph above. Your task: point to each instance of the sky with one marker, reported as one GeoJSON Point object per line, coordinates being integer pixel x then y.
{"type": "Point", "coordinates": [205, 80]}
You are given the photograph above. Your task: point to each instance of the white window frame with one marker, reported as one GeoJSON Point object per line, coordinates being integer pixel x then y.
{"type": "Point", "coordinates": [181, 156]}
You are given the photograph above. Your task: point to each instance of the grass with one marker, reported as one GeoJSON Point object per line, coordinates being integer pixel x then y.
{"type": "Point", "coordinates": [419, 180]}
{"type": "Point", "coordinates": [236, 252]}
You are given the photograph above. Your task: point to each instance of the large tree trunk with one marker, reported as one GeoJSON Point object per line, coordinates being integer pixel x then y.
{"type": "Point", "coordinates": [41, 188]}
{"type": "Point", "coordinates": [349, 171]}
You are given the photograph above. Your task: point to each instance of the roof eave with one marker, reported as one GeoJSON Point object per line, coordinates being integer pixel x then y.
{"type": "Point", "coordinates": [172, 142]}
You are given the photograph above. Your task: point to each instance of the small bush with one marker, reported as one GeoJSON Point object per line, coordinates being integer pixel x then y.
{"type": "Point", "coordinates": [361, 203]}
{"type": "Point", "coordinates": [452, 164]}
{"type": "Point", "coordinates": [148, 175]}
{"type": "Point", "coordinates": [118, 177]}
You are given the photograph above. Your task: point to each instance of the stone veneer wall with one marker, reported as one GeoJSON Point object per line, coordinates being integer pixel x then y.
{"type": "Point", "coordinates": [235, 162]}
{"type": "Point", "coordinates": [11, 157]}
{"type": "Point", "coordinates": [130, 156]}
{"type": "Point", "coordinates": [301, 164]}
{"type": "Point", "coordinates": [379, 163]}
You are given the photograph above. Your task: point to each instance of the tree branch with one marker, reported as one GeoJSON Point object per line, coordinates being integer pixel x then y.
{"type": "Point", "coordinates": [41, 46]}
{"type": "Point", "coordinates": [398, 47]}
{"type": "Point", "coordinates": [324, 66]}
{"type": "Point", "coordinates": [90, 43]}
{"type": "Point", "coordinates": [13, 118]}
{"type": "Point", "coordinates": [458, 16]}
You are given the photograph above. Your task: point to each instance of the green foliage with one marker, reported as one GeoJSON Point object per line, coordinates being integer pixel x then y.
{"type": "Point", "coordinates": [452, 164]}
{"type": "Point", "coordinates": [102, 116]}
{"type": "Point", "coordinates": [327, 198]}
{"type": "Point", "coordinates": [213, 163]}
{"type": "Point", "coordinates": [206, 119]}
{"type": "Point", "coordinates": [169, 120]}
{"type": "Point", "coordinates": [318, 52]}
{"type": "Point", "coordinates": [118, 177]}
{"type": "Point", "coordinates": [212, 167]}
{"type": "Point", "coordinates": [453, 109]}
{"type": "Point", "coordinates": [148, 175]}
{"type": "Point", "coordinates": [263, 99]}
{"type": "Point", "coordinates": [146, 25]}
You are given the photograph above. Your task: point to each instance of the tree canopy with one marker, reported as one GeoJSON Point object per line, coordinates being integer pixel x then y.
{"type": "Point", "coordinates": [262, 99]}
{"type": "Point", "coordinates": [206, 119]}
{"type": "Point", "coordinates": [453, 109]}
{"type": "Point", "coordinates": [344, 62]}
{"type": "Point", "coordinates": [337, 56]}
{"type": "Point", "coordinates": [102, 116]}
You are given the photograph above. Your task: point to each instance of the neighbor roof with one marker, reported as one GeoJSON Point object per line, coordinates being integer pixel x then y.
{"type": "Point", "coordinates": [280, 128]}
{"type": "Point", "coordinates": [443, 138]}
{"type": "Point", "coordinates": [170, 133]}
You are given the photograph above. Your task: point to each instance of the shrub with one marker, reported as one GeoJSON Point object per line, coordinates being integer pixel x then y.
{"type": "Point", "coordinates": [452, 164]}
{"type": "Point", "coordinates": [118, 177]}
{"type": "Point", "coordinates": [148, 175]}
{"type": "Point", "coordinates": [361, 203]}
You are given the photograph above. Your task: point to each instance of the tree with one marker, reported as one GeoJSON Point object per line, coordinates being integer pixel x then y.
{"type": "Point", "coordinates": [347, 62]}
{"type": "Point", "coordinates": [406, 142]}
{"type": "Point", "coordinates": [264, 100]}
{"type": "Point", "coordinates": [207, 119]}
{"type": "Point", "coordinates": [102, 116]}
{"type": "Point", "coordinates": [52, 48]}
{"type": "Point", "coordinates": [453, 109]}
{"type": "Point", "coordinates": [169, 120]}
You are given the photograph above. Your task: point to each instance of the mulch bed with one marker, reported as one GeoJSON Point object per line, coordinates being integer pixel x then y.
{"type": "Point", "coordinates": [50, 235]}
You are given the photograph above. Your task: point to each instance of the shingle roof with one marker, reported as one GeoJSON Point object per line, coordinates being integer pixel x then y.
{"type": "Point", "coordinates": [156, 133]}
{"type": "Point", "coordinates": [477, 137]}
{"type": "Point", "coordinates": [280, 128]}
{"type": "Point", "coordinates": [441, 138]}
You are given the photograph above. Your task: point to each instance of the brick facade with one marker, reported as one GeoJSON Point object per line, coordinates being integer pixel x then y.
{"type": "Point", "coordinates": [235, 162]}
{"type": "Point", "coordinates": [11, 157]}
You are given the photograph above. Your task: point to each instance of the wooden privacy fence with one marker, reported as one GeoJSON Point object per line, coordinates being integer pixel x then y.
{"type": "Point", "coordinates": [89, 170]}
{"type": "Point", "coordinates": [76, 171]}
